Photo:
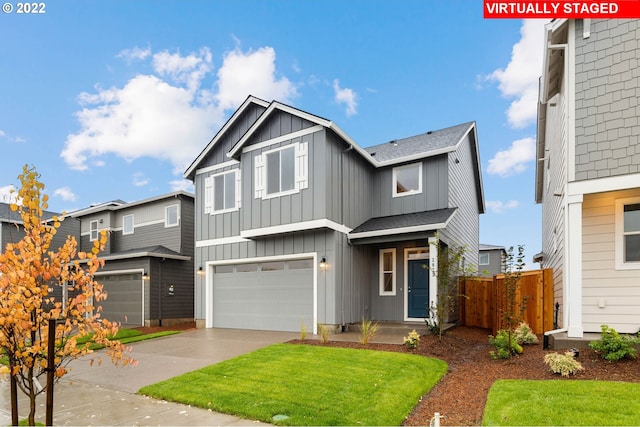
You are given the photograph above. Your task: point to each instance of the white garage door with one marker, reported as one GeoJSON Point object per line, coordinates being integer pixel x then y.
{"type": "Point", "coordinates": [124, 300]}
{"type": "Point", "coordinates": [274, 296]}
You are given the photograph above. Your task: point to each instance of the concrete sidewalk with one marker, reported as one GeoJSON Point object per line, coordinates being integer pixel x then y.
{"type": "Point", "coordinates": [105, 394]}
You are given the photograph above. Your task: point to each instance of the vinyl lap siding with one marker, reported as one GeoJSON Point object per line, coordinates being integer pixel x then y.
{"type": "Point", "coordinates": [617, 290]}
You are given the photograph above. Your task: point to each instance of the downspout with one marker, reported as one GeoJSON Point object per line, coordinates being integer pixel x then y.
{"type": "Point", "coordinates": [342, 207]}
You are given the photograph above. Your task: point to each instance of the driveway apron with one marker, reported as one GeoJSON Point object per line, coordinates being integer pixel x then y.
{"type": "Point", "coordinates": [105, 394]}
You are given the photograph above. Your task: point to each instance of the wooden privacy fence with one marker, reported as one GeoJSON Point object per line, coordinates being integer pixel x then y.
{"type": "Point", "coordinates": [484, 298]}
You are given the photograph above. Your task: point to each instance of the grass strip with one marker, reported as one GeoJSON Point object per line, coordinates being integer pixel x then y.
{"type": "Point", "coordinates": [562, 403]}
{"type": "Point", "coordinates": [287, 384]}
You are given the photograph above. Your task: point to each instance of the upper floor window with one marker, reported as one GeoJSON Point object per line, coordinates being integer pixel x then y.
{"type": "Point", "coordinates": [281, 171]}
{"type": "Point", "coordinates": [93, 230]}
{"type": "Point", "coordinates": [407, 180]}
{"type": "Point", "coordinates": [222, 192]}
{"type": "Point", "coordinates": [127, 224]}
{"type": "Point", "coordinates": [171, 216]}
{"type": "Point", "coordinates": [628, 233]}
{"type": "Point", "coordinates": [484, 259]}
{"type": "Point", "coordinates": [387, 272]}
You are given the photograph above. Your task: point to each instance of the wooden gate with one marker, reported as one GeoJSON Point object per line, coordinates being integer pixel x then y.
{"type": "Point", "coordinates": [483, 300]}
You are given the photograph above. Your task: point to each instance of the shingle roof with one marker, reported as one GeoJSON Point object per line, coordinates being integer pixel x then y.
{"type": "Point", "coordinates": [432, 141]}
{"type": "Point", "coordinates": [7, 215]}
{"type": "Point", "coordinates": [403, 221]}
{"type": "Point", "coordinates": [157, 251]}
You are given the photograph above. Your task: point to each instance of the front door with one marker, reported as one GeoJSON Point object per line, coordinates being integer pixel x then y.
{"type": "Point", "coordinates": [418, 288]}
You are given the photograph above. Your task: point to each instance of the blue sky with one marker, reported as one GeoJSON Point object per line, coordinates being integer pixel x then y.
{"type": "Point", "coordinates": [113, 99]}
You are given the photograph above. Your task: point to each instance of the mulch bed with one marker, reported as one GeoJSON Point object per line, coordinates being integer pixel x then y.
{"type": "Point", "coordinates": [462, 394]}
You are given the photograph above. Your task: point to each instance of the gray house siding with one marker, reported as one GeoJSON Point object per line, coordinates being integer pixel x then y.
{"type": "Point", "coordinates": [434, 189]}
{"type": "Point", "coordinates": [607, 110]}
{"type": "Point", "coordinates": [464, 227]}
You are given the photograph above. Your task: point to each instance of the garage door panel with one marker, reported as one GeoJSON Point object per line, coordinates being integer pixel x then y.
{"type": "Point", "coordinates": [277, 299]}
{"type": "Point", "coordinates": [124, 298]}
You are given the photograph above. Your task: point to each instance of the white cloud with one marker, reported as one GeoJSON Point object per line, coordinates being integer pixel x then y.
{"type": "Point", "coordinates": [519, 79]}
{"type": "Point", "coordinates": [65, 194]}
{"type": "Point", "coordinates": [515, 159]}
{"type": "Point", "coordinates": [5, 194]}
{"type": "Point", "coordinates": [182, 185]}
{"type": "Point", "coordinates": [168, 115]}
{"type": "Point", "coordinates": [499, 207]}
{"type": "Point", "coordinates": [2, 134]}
{"type": "Point", "coordinates": [135, 53]}
{"type": "Point", "coordinates": [139, 180]}
{"type": "Point", "coordinates": [251, 73]}
{"type": "Point", "coordinates": [347, 97]}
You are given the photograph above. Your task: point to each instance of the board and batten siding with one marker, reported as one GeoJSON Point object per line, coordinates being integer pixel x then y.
{"type": "Point", "coordinates": [610, 296]}
{"type": "Point", "coordinates": [464, 228]}
{"type": "Point", "coordinates": [434, 189]}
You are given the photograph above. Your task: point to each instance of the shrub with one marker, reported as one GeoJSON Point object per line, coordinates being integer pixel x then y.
{"type": "Point", "coordinates": [303, 331]}
{"type": "Point", "coordinates": [612, 346]}
{"type": "Point", "coordinates": [324, 333]}
{"type": "Point", "coordinates": [368, 330]}
{"type": "Point", "coordinates": [411, 342]}
{"type": "Point", "coordinates": [506, 345]}
{"type": "Point", "coordinates": [524, 334]}
{"type": "Point", "coordinates": [563, 364]}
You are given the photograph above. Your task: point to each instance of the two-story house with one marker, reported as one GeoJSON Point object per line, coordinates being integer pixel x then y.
{"type": "Point", "coordinates": [297, 225]}
{"type": "Point", "coordinates": [588, 171]}
{"type": "Point", "coordinates": [490, 260]}
{"type": "Point", "coordinates": [148, 272]}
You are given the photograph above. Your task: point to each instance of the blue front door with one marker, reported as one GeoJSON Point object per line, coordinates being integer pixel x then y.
{"type": "Point", "coordinates": [418, 289]}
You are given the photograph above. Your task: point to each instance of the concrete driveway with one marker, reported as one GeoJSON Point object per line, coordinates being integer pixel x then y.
{"type": "Point", "coordinates": [104, 395]}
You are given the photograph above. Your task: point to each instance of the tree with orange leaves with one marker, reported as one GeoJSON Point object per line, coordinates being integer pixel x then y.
{"type": "Point", "coordinates": [29, 272]}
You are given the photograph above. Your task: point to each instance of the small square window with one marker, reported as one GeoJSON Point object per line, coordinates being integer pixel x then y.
{"type": "Point", "coordinates": [127, 224]}
{"type": "Point", "coordinates": [407, 180]}
{"type": "Point", "coordinates": [171, 216]}
{"type": "Point", "coordinates": [484, 259]}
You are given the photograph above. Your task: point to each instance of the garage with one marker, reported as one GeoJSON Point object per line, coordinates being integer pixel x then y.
{"type": "Point", "coordinates": [273, 295]}
{"type": "Point", "coordinates": [124, 300]}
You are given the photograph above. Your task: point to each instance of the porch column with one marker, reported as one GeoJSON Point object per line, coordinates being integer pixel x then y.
{"type": "Point", "coordinates": [573, 266]}
{"type": "Point", "coordinates": [433, 272]}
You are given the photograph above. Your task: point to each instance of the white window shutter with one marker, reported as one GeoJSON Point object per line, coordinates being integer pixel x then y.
{"type": "Point", "coordinates": [208, 195]}
{"type": "Point", "coordinates": [259, 173]}
{"type": "Point", "coordinates": [302, 166]}
{"type": "Point", "coordinates": [238, 189]}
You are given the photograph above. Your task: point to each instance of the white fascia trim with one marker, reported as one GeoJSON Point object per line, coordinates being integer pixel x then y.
{"type": "Point", "coordinates": [264, 259]}
{"type": "Point", "coordinates": [129, 271]}
{"type": "Point", "coordinates": [217, 167]}
{"type": "Point", "coordinates": [296, 226]}
{"type": "Point", "coordinates": [220, 241]}
{"type": "Point", "coordinates": [599, 185]}
{"type": "Point", "coordinates": [222, 131]}
{"type": "Point", "coordinates": [394, 231]}
{"type": "Point", "coordinates": [283, 138]}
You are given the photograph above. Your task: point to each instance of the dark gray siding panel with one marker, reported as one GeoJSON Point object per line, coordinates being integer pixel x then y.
{"type": "Point", "coordinates": [433, 195]}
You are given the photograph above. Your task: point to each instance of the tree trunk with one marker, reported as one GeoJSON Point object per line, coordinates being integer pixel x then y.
{"type": "Point", "coordinates": [14, 395]}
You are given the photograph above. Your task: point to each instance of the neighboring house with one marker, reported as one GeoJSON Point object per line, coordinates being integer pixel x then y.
{"type": "Point", "coordinates": [296, 224]}
{"type": "Point", "coordinates": [490, 260]}
{"type": "Point", "coordinates": [588, 172]}
{"type": "Point", "coordinates": [148, 271]}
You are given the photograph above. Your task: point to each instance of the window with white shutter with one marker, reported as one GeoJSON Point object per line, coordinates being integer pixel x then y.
{"type": "Point", "coordinates": [282, 171]}
{"type": "Point", "coordinates": [222, 192]}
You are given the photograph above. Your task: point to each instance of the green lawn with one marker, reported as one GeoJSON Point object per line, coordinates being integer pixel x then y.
{"type": "Point", "coordinates": [562, 403]}
{"type": "Point", "coordinates": [290, 384]}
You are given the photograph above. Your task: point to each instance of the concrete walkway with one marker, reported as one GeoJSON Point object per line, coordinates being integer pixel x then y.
{"type": "Point", "coordinates": [105, 394]}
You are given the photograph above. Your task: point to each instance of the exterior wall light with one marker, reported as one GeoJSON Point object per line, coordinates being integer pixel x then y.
{"type": "Point", "coordinates": [200, 271]}
{"type": "Point", "coordinates": [145, 276]}
{"type": "Point", "coordinates": [323, 263]}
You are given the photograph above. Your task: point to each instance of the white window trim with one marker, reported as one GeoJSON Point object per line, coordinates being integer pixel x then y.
{"type": "Point", "coordinates": [93, 237]}
{"type": "Point", "coordinates": [488, 259]}
{"type": "Point", "coordinates": [124, 228]}
{"type": "Point", "coordinates": [301, 171]}
{"type": "Point", "coordinates": [166, 215]}
{"type": "Point", "coordinates": [209, 187]}
{"type": "Point", "coordinates": [619, 237]}
{"type": "Point", "coordinates": [393, 272]}
{"type": "Point", "coordinates": [394, 183]}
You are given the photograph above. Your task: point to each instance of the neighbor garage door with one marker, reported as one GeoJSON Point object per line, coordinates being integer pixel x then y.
{"type": "Point", "coordinates": [275, 296]}
{"type": "Point", "coordinates": [124, 300]}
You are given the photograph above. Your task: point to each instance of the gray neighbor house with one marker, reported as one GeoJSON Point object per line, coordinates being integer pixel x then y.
{"type": "Point", "coordinates": [296, 224]}
{"type": "Point", "coordinates": [148, 270]}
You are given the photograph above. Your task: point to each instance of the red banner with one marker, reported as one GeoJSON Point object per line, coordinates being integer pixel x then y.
{"type": "Point", "coordinates": [561, 9]}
